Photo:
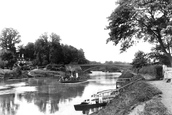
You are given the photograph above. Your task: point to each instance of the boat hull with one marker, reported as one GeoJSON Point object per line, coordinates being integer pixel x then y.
{"type": "Point", "coordinates": [71, 81]}
{"type": "Point", "coordinates": [88, 106]}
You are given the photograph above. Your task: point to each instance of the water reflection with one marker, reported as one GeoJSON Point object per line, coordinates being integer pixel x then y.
{"type": "Point", "coordinates": [8, 105]}
{"type": "Point", "coordinates": [47, 96]}
{"type": "Point", "coordinates": [88, 111]}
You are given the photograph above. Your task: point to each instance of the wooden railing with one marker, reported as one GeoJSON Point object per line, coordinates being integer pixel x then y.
{"type": "Point", "coordinates": [123, 87]}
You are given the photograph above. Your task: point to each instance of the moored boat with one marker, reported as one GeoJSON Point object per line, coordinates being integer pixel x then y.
{"type": "Point", "coordinates": [71, 81]}
{"type": "Point", "coordinates": [87, 105]}
{"type": "Point", "coordinates": [71, 75]}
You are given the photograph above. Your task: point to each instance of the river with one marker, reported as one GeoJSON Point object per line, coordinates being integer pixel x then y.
{"type": "Point", "coordinates": [48, 97]}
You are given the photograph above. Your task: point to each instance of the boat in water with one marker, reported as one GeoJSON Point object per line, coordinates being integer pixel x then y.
{"type": "Point", "coordinates": [99, 99]}
{"type": "Point", "coordinates": [88, 104]}
{"type": "Point", "coordinates": [70, 81]}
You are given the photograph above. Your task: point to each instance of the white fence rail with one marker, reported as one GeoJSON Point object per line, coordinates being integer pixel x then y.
{"type": "Point", "coordinates": [167, 71]}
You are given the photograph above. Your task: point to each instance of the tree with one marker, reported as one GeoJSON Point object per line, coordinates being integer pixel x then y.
{"type": "Point", "coordinates": [69, 53]}
{"type": "Point", "coordinates": [157, 56]}
{"type": "Point", "coordinates": [140, 60]}
{"type": "Point", "coordinates": [48, 49]}
{"type": "Point", "coordinates": [8, 58]}
{"type": "Point", "coordinates": [29, 51]}
{"type": "Point", "coordinates": [81, 57]}
{"type": "Point", "coordinates": [56, 53]}
{"type": "Point", "coordinates": [149, 20]}
{"type": "Point", "coordinates": [42, 50]}
{"type": "Point", "coordinates": [73, 55]}
{"type": "Point", "coordinates": [9, 38]}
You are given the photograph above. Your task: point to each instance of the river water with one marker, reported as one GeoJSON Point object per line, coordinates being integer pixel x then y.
{"type": "Point", "coordinates": [48, 97]}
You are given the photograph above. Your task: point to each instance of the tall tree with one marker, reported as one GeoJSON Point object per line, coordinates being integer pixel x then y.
{"type": "Point", "coordinates": [48, 49]}
{"type": "Point", "coordinates": [42, 50]}
{"type": "Point", "coordinates": [9, 38]}
{"type": "Point", "coordinates": [149, 20]}
{"type": "Point", "coordinates": [56, 53]}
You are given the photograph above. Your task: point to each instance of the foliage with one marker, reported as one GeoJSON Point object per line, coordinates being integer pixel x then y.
{"type": "Point", "coordinates": [126, 74]}
{"type": "Point", "coordinates": [8, 58]}
{"type": "Point", "coordinates": [46, 49]}
{"type": "Point", "coordinates": [157, 56]}
{"type": "Point", "coordinates": [140, 60]}
{"type": "Point", "coordinates": [29, 51]}
{"type": "Point", "coordinates": [2, 63]}
{"type": "Point", "coordinates": [9, 38]}
{"type": "Point", "coordinates": [42, 49]}
{"type": "Point", "coordinates": [152, 72]}
{"type": "Point", "coordinates": [149, 20]}
{"type": "Point", "coordinates": [73, 55]}
{"type": "Point", "coordinates": [56, 53]}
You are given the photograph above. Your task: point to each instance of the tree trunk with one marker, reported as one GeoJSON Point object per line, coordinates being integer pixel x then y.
{"type": "Point", "coordinates": [163, 47]}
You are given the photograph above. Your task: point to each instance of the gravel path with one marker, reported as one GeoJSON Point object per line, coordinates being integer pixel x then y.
{"type": "Point", "coordinates": [166, 89]}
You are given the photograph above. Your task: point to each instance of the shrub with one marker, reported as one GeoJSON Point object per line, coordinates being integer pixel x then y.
{"type": "Point", "coordinates": [155, 71]}
{"type": "Point", "coordinates": [2, 63]}
{"type": "Point", "coordinates": [126, 74]}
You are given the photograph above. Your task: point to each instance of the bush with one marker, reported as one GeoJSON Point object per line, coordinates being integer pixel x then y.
{"type": "Point", "coordinates": [126, 74]}
{"type": "Point", "coordinates": [2, 63]}
{"type": "Point", "coordinates": [154, 72]}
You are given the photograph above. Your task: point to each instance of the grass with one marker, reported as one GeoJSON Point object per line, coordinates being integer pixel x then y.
{"type": "Point", "coordinates": [133, 95]}
{"type": "Point", "coordinates": [154, 107]}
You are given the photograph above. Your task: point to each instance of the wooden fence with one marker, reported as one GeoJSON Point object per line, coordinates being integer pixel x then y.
{"type": "Point", "coordinates": [111, 93]}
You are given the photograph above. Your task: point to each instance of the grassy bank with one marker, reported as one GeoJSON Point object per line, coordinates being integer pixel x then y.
{"type": "Point", "coordinates": [129, 98]}
{"type": "Point", "coordinates": [151, 107]}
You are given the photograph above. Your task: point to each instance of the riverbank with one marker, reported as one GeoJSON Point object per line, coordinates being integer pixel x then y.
{"type": "Point", "coordinates": [6, 74]}
{"type": "Point", "coordinates": [139, 98]}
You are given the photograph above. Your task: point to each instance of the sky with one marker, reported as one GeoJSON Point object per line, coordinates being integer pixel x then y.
{"type": "Point", "coordinates": [80, 23]}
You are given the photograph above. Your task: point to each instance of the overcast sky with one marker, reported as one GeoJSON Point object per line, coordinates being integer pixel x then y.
{"type": "Point", "coordinates": [79, 23]}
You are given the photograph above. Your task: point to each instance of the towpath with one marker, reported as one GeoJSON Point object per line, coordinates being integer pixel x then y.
{"type": "Point", "coordinates": [166, 89]}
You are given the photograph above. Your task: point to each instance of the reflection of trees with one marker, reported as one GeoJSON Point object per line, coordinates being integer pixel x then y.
{"type": "Point", "coordinates": [7, 104]}
{"type": "Point", "coordinates": [91, 110]}
{"type": "Point", "coordinates": [49, 94]}
{"type": "Point", "coordinates": [45, 100]}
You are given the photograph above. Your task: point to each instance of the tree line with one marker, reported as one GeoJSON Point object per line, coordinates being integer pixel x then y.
{"type": "Point", "coordinates": [47, 49]}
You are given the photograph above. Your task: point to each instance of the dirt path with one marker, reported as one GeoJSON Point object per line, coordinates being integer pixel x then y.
{"type": "Point", "coordinates": [166, 89]}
